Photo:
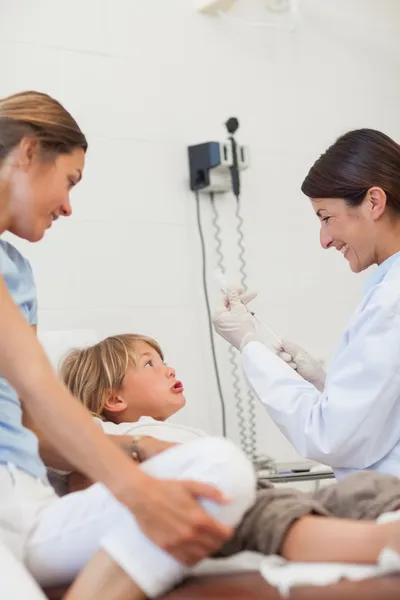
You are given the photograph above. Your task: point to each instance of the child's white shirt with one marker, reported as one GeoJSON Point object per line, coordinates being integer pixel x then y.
{"type": "Point", "coordinates": [161, 430]}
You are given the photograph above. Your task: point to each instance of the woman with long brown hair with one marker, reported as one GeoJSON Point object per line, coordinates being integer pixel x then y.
{"type": "Point", "coordinates": [139, 529]}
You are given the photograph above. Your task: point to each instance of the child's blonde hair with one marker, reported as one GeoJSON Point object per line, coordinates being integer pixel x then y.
{"type": "Point", "coordinates": [91, 373]}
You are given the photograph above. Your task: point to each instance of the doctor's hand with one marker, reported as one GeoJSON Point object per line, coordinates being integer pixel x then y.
{"type": "Point", "coordinates": [306, 366]}
{"type": "Point", "coordinates": [234, 323]}
{"type": "Point", "coordinates": [244, 296]}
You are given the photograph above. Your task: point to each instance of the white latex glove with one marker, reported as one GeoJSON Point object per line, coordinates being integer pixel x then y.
{"type": "Point", "coordinates": [234, 323]}
{"type": "Point", "coordinates": [244, 297]}
{"type": "Point", "coordinates": [306, 366]}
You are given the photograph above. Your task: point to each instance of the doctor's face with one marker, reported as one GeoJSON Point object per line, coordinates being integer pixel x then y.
{"type": "Point", "coordinates": [349, 229]}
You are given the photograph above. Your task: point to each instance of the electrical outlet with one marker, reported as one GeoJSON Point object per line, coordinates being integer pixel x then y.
{"type": "Point", "coordinates": [213, 7]}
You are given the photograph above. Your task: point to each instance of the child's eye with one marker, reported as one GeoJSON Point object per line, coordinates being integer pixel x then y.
{"type": "Point", "coordinates": [149, 363]}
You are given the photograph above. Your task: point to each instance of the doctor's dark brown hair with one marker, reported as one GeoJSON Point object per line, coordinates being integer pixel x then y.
{"type": "Point", "coordinates": [357, 161]}
{"type": "Point", "coordinates": [39, 116]}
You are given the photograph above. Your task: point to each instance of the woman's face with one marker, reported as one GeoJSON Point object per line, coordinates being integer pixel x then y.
{"type": "Point", "coordinates": [351, 230]}
{"type": "Point", "coordinates": [39, 189]}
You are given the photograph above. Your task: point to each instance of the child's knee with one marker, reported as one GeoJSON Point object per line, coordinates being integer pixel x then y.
{"type": "Point", "coordinates": [217, 462]}
{"type": "Point", "coordinates": [226, 467]}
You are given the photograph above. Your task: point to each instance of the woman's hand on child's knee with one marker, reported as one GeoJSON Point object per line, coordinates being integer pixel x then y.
{"type": "Point", "coordinates": [147, 447]}
{"type": "Point", "coordinates": [169, 513]}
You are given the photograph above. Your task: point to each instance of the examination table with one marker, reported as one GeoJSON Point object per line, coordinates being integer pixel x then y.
{"type": "Point", "coordinates": [252, 586]}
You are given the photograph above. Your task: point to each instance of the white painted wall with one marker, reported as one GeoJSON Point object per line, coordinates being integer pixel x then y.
{"type": "Point", "coordinates": [144, 79]}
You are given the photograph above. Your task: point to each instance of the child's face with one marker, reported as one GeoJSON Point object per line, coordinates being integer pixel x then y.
{"type": "Point", "coordinates": [149, 389]}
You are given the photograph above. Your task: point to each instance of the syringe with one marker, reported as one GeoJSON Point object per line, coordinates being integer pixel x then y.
{"type": "Point", "coordinates": [224, 286]}
{"type": "Point", "coordinates": [279, 341]}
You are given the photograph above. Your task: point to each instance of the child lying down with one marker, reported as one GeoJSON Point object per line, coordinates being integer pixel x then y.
{"type": "Point", "coordinates": [126, 385]}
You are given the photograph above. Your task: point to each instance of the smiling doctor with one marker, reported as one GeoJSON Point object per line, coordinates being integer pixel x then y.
{"type": "Point", "coordinates": [349, 417]}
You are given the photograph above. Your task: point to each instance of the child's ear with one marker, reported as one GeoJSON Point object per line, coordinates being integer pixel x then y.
{"type": "Point", "coordinates": [114, 402]}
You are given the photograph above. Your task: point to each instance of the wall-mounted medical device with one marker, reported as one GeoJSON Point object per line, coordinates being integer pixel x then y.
{"type": "Point", "coordinates": [211, 163]}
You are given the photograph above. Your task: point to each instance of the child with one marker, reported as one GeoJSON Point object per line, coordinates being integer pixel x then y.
{"type": "Point", "coordinates": [128, 388]}
{"type": "Point", "coordinates": [126, 385]}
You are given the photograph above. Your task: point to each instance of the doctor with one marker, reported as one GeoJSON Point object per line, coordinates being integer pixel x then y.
{"type": "Point", "coordinates": [348, 418]}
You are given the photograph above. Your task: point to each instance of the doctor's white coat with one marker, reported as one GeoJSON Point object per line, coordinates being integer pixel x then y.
{"type": "Point", "coordinates": [354, 424]}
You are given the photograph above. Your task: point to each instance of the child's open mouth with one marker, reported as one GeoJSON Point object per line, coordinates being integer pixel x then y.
{"type": "Point", "coordinates": [177, 387]}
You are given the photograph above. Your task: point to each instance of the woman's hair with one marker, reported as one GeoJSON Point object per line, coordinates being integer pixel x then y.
{"type": "Point", "coordinates": [357, 161]}
{"type": "Point", "coordinates": [36, 115]}
{"type": "Point", "coordinates": [91, 373]}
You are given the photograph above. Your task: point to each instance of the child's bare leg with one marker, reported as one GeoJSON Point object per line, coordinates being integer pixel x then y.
{"type": "Point", "coordinates": [321, 539]}
{"type": "Point", "coordinates": [103, 578]}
